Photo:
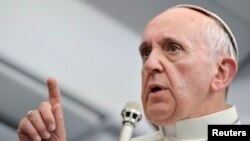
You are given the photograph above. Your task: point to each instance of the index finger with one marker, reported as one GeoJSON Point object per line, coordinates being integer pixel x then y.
{"type": "Point", "coordinates": [54, 92]}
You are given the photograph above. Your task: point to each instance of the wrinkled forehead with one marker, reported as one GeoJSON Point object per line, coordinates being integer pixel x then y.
{"type": "Point", "coordinates": [175, 22]}
{"type": "Point", "coordinates": [179, 14]}
{"type": "Point", "coordinates": [193, 13]}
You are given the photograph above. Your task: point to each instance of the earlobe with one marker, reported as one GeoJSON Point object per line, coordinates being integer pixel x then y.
{"type": "Point", "coordinates": [226, 72]}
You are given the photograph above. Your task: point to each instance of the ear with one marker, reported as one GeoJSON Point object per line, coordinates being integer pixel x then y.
{"type": "Point", "coordinates": [226, 72]}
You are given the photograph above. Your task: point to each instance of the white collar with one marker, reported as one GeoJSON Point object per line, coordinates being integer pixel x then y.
{"type": "Point", "coordinates": [197, 127]}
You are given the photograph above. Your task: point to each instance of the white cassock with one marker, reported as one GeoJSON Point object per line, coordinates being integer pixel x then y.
{"type": "Point", "coordinates": [192, 129]}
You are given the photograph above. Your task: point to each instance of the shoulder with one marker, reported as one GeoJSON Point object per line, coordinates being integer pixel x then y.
{"type": "Point", "coordinates": [148, 137]}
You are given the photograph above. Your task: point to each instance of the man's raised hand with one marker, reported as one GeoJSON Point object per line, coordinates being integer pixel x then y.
{"type": "Point", "coordinates": [47, 122]}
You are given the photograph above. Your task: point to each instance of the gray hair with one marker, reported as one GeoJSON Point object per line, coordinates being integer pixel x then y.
{"type": "Point", "coordinates": [218, 39]}
{"type": "Point", "coordinates": [218, 36]}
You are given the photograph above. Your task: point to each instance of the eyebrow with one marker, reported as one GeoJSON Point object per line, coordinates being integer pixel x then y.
{"type": "Point", "coordinates": [169, 40]}
{"type": "Point", "coordinates": [163, 41]}
{"type": "Point", "coordinates": [142, 45]}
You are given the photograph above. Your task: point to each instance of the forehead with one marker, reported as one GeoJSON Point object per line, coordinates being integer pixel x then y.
{"type": "Point", "coordinates": [176, 21]}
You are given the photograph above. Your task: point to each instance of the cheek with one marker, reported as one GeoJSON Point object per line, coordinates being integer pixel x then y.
{"type": "Point", "coordinates": [191, 83]}
{"type": "Point", "coordinates": [143, 88]}
{"type": "Point", "coordinates": [143, 99]}
{"type": "Point", "coordinates": [193, 76]}
{"type": "Point", "coordinates": [190, 78]}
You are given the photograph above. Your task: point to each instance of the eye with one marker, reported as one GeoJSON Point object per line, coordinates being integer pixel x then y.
{"type": "Point", "coordinates": [173, 48]}
{"type": "Point", "coordinates": [145, 52]}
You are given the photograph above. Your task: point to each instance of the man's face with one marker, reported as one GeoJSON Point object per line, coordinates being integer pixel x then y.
{"type": "Point", "coordinates": [177, 67]}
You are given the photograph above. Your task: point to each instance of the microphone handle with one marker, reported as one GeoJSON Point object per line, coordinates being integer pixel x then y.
{"type": "Point", "coordinates": [126, 132]}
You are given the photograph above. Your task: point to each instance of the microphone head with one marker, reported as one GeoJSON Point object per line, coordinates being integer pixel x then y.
{"type": "Point", "coordinates": [131, 114]}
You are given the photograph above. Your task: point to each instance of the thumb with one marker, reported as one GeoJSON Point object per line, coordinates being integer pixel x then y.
{"type": "Point", "coordinates": [54, 92]}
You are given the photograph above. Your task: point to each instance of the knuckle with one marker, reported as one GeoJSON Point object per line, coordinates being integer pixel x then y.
{"type": "Point", "coordinates": [44, 104]}
{"type": "Point", "coordinates": [33, 134]}
{"type": "Point", "coordinates": [47, 118]}
{"type": "Point", "coordinates": [22, 125]}
{"type": "Point", "coordinates": [22, 122]}
{"type": "Point", "coordinates": [33, 113]}
{"type": "Point", "coordinates": [41, 128]}
{"type": "Point", "coordinates": [25, 126]}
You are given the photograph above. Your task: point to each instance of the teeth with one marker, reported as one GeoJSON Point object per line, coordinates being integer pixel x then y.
{"type": "Point", "coordinates": [155, 89]}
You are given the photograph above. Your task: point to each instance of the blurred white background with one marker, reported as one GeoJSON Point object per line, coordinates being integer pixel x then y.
{"type": "Point", "coordinates": [91, 48]}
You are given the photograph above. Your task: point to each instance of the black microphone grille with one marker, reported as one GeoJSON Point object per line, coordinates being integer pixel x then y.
{"type": "Point", "coordinates": [131, 113]}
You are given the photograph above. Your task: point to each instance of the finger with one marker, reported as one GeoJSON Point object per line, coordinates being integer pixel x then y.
{"type": "Point", "coordinates": [37, 121]}
{"type": "Point", "coordinates": [54, 92]}
{"type": "Point", "coordinates": [26, 131]}
{"type": "Point", "coordinates": [60, 127]}
{"type": "Point", "coordinates": [55, 101]}
{"type": "Point", "coordinates": [47, 115]}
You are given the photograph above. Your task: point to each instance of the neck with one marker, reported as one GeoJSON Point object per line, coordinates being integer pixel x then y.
{"type": "Point", "coordinates": [214, 103]}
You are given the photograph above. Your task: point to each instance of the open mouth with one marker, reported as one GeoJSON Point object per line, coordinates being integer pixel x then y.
{"type": "Point", "coordinates": [155, 89]}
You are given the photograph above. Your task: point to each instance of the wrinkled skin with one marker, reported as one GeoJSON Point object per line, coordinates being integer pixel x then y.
{"type": "Point", "coordinates": [179, 69]}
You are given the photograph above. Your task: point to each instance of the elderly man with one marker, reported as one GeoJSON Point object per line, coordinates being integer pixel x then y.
{"type": "Point", "coordinates": [189, 59]}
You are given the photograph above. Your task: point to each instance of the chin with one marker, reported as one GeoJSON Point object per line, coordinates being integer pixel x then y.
{"type": "Point", "coordinates": [161, 121]}
{"type": "Point", "coordinates": [159, 114]}
{"type": "Point", "coordinates": [158, 121]}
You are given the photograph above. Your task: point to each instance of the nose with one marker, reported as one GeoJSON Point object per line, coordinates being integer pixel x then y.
{"type": "Point", "coordinates": [153, 64]}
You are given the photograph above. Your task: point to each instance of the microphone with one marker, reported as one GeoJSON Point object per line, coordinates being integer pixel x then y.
{"type": "Point", "coordinates": [131, 115]}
